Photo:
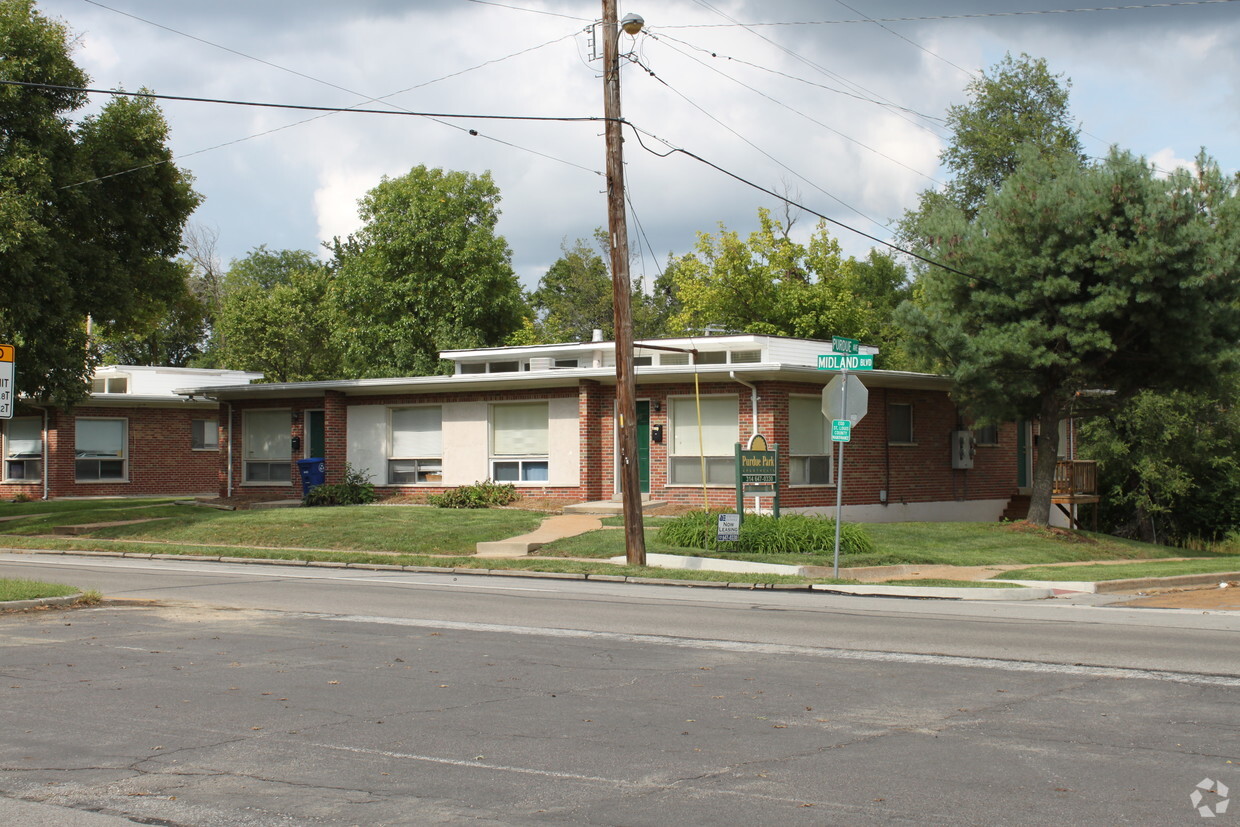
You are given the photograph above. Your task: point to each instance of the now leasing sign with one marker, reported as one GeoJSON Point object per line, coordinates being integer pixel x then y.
{"type": "Point", "coordinates": [846, 361]}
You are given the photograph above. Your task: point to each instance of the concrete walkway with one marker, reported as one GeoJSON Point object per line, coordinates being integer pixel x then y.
{"type": "Point", "coordinates": [552, 528]}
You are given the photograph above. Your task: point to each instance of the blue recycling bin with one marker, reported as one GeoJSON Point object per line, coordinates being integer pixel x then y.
{"type": "Point", "coordinates": [313, 472]}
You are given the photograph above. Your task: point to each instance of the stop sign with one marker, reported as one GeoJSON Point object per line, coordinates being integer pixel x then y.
{"type": "Point", "coordinates": [833, 397]}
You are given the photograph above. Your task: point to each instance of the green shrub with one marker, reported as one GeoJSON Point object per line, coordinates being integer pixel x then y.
{"type": "Point", "coordinates": [355, 490]}
{"type": "Point", "coordinates": [479, 495]}
{"type": "Point", "coordinates": [762, 534]}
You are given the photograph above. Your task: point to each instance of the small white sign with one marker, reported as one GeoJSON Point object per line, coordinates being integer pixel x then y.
{"type": "Point", "coordinates": [729, 529]}
{"type": "Point", "coordinates": [6, 390]}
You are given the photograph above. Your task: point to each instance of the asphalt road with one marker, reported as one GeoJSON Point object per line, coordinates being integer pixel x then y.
{"type": "Point", "coordinates": [273, 696]}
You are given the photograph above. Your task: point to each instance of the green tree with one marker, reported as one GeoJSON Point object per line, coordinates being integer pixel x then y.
{"type": "Point", "coordinates": [426, 272]}
{"type": "Point", "coordinates": [1101, 278]}
{"type": "Point", "coordinates": [1167, 464]}
{"type": "Point", "coordinates": [174, 338]}
{"type": "Point", "coordinates": [1017, 103]}
{"type": "Point", "coordinates": [768, 283]}
{"type": "Point", "coordinates": [90, 215]}
{"type": "Point", "coordinates": [276, 317]}
{"type": "Point", "coordinates": [575, 296]}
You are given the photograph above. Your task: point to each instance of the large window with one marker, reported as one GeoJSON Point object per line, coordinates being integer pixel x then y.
{"type": "Point", "coordinates": [204, 435]}
{"type": "Point", "coordinates": [415, 445]}
{"type": "Point", "coordinates": [900, 424]}
{"type": "Point", "coordinates": [23, 450]}
{"type": "Point", "coordinates": [268, 447]}
{"type": "Point", "coordinates": [809, 449]}
{"type": "Point", "coordinates": [99, 450]}
{"type": "Point", "coordinates": [718, 435]}
{"type": "Point", "coordinates": [519, 442]}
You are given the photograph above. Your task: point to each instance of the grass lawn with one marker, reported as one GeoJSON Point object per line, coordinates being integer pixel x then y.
{"type": "Point", "coordinates": [1126, 571]}
{"type": "Point", "coordinates": [400, 529]}
{"type": "Point", "coordinates": [421, 536]}
{"type": "Point", "coordinates": [33, 589]}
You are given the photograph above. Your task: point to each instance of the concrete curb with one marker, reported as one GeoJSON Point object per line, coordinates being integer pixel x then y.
{"type": "Point", "coordinates": [40, 601]}
{"type": "Point", "coordinates": [1035, 589]}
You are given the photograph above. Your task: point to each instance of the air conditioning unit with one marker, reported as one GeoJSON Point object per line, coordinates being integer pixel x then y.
{"type": "Point", "coordinates": [541, 363]}
{"type": "Point", "coordinates": [963, 448]}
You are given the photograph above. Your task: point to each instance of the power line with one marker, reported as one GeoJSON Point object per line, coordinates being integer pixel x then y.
{"type": "Point", "coordinates": [894, 33]}
{"type": "Point", "coordinates": [673, 150]}
{"type": "Point", "coordinates": [810, 119]}
{"type": "Point", "coordinates": [367, 98]}
{"type": "Point", "coordinates": [807, 82]}
{"type": "Point", "coordinates": [304, 107]}
{"type": "Point", "coordinates": [531, 11]}
{"type": "Point", "coordinates": [968, 16]}
{"type": "Point", "coordinates": [824, 70]}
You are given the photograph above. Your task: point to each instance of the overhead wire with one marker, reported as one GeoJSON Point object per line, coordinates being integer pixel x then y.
{"type": "Point", "coordinates": [798, 57]}
{"type": "Point", "coordinates": [662, 35]}
{"type": "Point", "coordinates": [367, 98]}
{"type": "Point", "coordinates": [674, 150]}
{"type": "Point", "coordinates": [962, 16]}
{"type": "Point", "coordinates": [809, 118]}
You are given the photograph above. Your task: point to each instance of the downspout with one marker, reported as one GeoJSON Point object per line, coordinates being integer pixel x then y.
{"type": "Point", "coordinates": [230, 449]}
{"type": "Point", "coordinates": [45, 457]}
{"type": "Point", "coordinates": [753, 398]}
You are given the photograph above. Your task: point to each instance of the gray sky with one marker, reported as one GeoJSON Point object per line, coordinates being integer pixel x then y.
{"type": "Point", "coordinates": [842, 112]}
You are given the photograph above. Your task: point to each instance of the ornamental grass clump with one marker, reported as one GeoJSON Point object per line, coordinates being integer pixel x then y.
{"type": "Point", "coordinates": [763, 534]}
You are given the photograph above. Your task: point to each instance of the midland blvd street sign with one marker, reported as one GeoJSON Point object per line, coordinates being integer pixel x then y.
{"type": "Point", "coordinates": [833, 398]}
{"type": "Point", "coordinates": [843, 361]}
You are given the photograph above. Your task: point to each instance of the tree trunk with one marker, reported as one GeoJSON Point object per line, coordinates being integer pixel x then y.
{"type": "Point", "coordinates": [1044, 462]}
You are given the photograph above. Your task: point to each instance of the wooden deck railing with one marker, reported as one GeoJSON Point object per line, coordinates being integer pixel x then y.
{"type": "Point", "coordinates": [1075, 476]}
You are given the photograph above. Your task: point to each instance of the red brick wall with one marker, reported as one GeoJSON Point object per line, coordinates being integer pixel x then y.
{"type": "Point", "coordinates": [915, 473]}
{"type": "Point", "coordinates": [159, 462]}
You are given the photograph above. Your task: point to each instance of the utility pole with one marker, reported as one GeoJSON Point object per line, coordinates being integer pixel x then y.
{"type": "Point", "coordinates": [626, 403]}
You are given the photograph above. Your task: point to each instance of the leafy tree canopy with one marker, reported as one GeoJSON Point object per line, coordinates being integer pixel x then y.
{"type": "Point", "coordinates": [1017, 103]}
{"type": "Point", "coordinates": [90, 213]}
{"type": "Point", "coordinates": [768, 283]}
{"type": "Point", "coordinates": [426, 272]}
{"type": "Point", "coordinates": [276, 316]}
{"type": "Point", "coordinates": [1101, 278]}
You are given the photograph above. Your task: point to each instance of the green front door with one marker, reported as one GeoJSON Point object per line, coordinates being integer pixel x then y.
{"type": "Point", "coordinates": [316, 434]}
{"type": "Point", "coordinates": [643, 445]}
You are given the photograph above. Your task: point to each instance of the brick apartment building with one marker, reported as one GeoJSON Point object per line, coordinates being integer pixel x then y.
{"type": "Point", "coordinates": [132, 436]}
{"type": "Point", "coordinates": [543, 418]}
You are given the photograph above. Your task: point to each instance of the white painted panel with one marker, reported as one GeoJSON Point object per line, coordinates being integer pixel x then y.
{"type": "Point", "coordinates": [465, 443]}
{"type": "Point", "coordinates": [367, 441]}
{"type": "Point", "coordinates": [564, 435]}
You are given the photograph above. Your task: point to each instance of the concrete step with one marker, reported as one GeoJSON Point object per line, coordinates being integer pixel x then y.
{"type": "Point", "coordinates": [609, 507]}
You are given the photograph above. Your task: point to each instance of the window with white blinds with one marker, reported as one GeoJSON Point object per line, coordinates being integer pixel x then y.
{"type": "Point", "coordinates": [718, 436]}
{"type": "Point", "coordinates": [268, 447]}
{"type": "Point", "coordinates": [519, 442]}
{"type": "Point", "coordinates": [415, 445]}
{"type": "Point", "coordinates": [519, 429]}
{"type": "Point", "coordinates": [809, 449]}
{"type": "Point", "coordinates": [23, 449]}
{"type": "Point", "coordinates": [99, 450]}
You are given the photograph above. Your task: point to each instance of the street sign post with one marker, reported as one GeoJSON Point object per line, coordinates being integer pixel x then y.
{"type": "Point", "coordinates": [847, 356]}
{"type": "Point", "coordinates": [8, 391]}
